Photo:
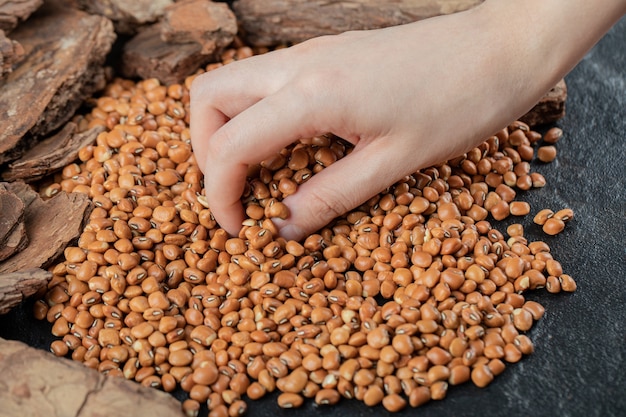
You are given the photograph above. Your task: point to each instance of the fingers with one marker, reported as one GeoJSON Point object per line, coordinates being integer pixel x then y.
{"type": "Point", "coordinates": [339, 188]}
{"type": "Point", "coordinates": [256, 133]}
{"type": "Point", "coordinates": [223, 150]}
{"type": "Point", "coordinates": [240, 117]}
{"type": "Point", "coordinates": [219, 95]}
{"type": "Point", "coordinates": [204, 121]}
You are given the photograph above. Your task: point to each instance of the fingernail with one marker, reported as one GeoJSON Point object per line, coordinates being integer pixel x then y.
{"type": "Point", "coordinates": [291, 232]}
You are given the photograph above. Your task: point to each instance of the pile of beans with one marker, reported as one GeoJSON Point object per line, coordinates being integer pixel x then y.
{"type": "Point", "coordinates": [393, 303]}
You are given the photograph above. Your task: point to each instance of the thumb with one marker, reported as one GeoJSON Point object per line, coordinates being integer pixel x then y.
{"type": "Point", "coordinates": [337, 189]}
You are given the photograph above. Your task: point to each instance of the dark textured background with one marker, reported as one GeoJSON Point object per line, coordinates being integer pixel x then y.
{"type": "Point", "coordinates": [578, 368]}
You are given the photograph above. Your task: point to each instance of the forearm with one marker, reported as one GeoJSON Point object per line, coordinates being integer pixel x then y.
{"type": "Point", "coordinates": [545, 39]}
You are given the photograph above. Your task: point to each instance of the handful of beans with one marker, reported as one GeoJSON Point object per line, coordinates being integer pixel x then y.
{"type": "Point", "coordinates": [393, 303]}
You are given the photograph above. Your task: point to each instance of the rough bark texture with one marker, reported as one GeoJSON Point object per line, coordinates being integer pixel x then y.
{"type": "Point", "coordinates": [212, 25]}
{"type": "Point", "coordinates": [12, 230]}
{"type": "Point", "coordinates": [12, 12]}
{"type": "Point", "coordinates": [11, 52]}
{"type": "Point", "coordinates": [51, 154]}
{"type": "Point", "coordinates": [65, 50]}
{"type": "Point", "coordinates": [50, 225]}
{"type": "Point", "coordinates": [147, 56]}
{"type": "Point", "coordinates": [12, 209]}
{"type": "Point", "coordinates": [36, 383]}
{"type": "Point", "coordinates": [274, 22]}
{"type": "Point", "coordinates": [16, 241]}
{"type": "Point", "coordinates": [17, 286]}
{"type": "Point", "coordinates": [127, 16]}
{"type": "Point", "coordinates": [550, 108]}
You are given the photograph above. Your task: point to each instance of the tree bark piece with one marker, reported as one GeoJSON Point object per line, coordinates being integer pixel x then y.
{"type": "Point", "coordinates": [212, 25]}
{"type": "Point", "coordinates": [16, 241]}
{"type": "Point", "coordinates": [65, 50]}
{"type": "Point", "coordinates": [24, 191]}
{"type": "Point", "coordinates": [12, 209]}
{"type": "Point", "coordinates": [50, 225]}
{"type": "Point", "coordinates": [51, 154]}
{"type": "Point", "coordinates": [550, 108]}
{"type": "Point", "coordinates": [127, 16]}
{"type": "Point", "coordinates": [275, 22]}
{"type": "Point", "coordinates": [147, 56]}
{"type": "Point", "coordinates": [11, 52]}
{"type": "Point", "coordinates": [12, 12]}
{"type": "Point", "coordinates": [13, 236]}
{"type": "Point", "coordinates": [15, 287]}
{"type": "Point", "coordinates": [36, 383]}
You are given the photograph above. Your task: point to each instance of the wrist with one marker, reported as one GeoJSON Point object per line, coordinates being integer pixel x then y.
{"type": "Point", "coordinates": [540, 41]}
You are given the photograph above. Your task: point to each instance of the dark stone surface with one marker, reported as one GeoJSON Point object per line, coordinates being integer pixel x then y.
{"type": "Point", "coordinates": [578, 368]}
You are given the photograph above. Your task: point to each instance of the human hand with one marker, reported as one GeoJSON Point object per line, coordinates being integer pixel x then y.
{"type": "Point", "coordinates": [406, 97]}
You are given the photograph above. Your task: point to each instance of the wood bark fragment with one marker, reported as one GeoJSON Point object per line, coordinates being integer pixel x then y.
{"type": "Point", "coordinates": [11, 52]}
{"type": "Point", "coordinates": [36, 383]}
{"type": "Point", "coordinates": [211, 25]}
{"type": "Point", "coordinates": [14, 242]}
{"type": "Point", "coordinates": [13, 237]}
{"type": "Point", "coordinates": [12, 12]}
{"type": "Point", "coordinates": [50, 225]}
{"type": "Point", "coordinates": [275, 22]}
{"type": "Point", "coordinates": [550, 108]}
{"type": "Point", "coordinates": [127, 16]}
{"type": "Point", "coordinates": [51, 154]}
{"type": "Point", "coordinates": [147, 56]}
{"type": "Point", "coordinates": [12, 209]}
{"type": "Point", "coordinates": [15, 287]}
{"type": "Point", "coordinates": [65, 50]}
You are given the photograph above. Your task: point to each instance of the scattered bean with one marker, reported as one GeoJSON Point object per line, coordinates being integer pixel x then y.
{"type": "Point", "coordinates": [546, 153]}
{"type": "Point", "coordinates": [553, 226]}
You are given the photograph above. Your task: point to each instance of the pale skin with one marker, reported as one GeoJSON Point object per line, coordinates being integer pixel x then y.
{"type": "Point", "coordinates": [406, 97]}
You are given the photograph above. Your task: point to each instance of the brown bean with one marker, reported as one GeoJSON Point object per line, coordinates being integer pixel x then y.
{"type": "Point", "coordinates": [294, 382]}
{"type": "Point", "coordinates": [553, 135]}
{"type": "Point", "coordinates": [181, 357]}
{"type": "Point", "coordinates": [378, 337]}
{"type": "Point", "coordinates": [191, 407]}
{"type": "Point", "coordinates": [542, 216]}
{"type": "Point", "coordinates": [59, 348]}
{"type": "Point", "coordinates": [374, 395]}
{"type": "Point", "coordinates": [519, 208]}
{"type": "Point", "coordinates": [481, 376]}
{"type": "Point", "coordinates": [524, 344]}
{"type": "Point", "coordinates": [327, 397]}
{"type": "Point", "coordinates": [290, 400]}
{"type": "Point", "coordinates": [419, 396]}
{"type": "Point", "coordinates": [394, 403]}
{"type": "Point", "coordinates": [277, 209]}
{"type": "Point", "coordinates": [546, 153]}
{"type": "Point", "coordinates": [553, 226]}
{"type": "Point", "coordinates": [567, 283]}
{"type": "Point", "coordinates": [565, 214]}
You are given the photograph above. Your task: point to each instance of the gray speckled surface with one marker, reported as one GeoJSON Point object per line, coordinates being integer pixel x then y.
{"type": "Point", "coordinates": [579, 365]}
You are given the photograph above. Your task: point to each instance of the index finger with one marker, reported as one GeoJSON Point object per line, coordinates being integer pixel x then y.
{"type": "Point", "coordinates": [215, 97]}
{"type": "Point", "coordinates": [253, 135]}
